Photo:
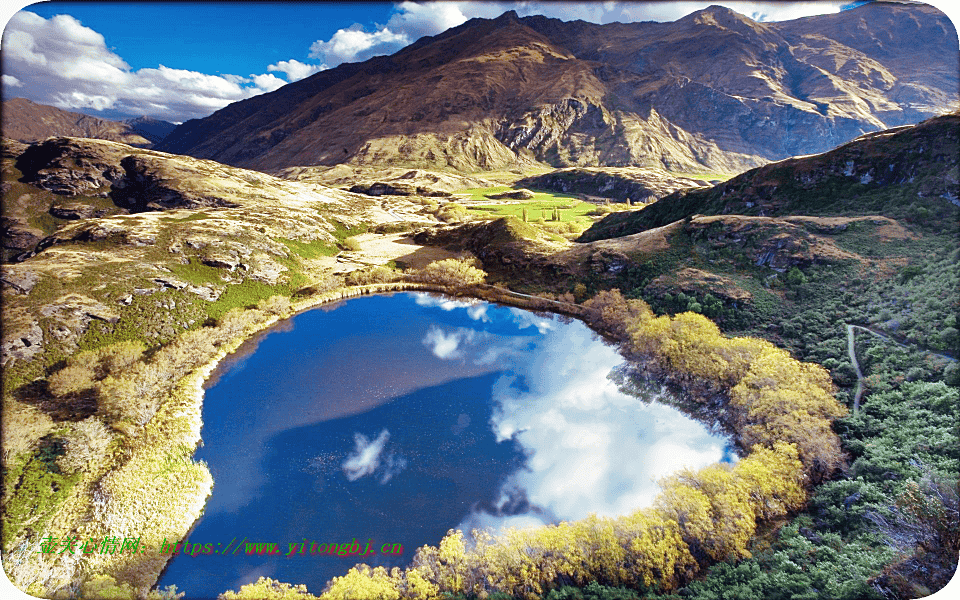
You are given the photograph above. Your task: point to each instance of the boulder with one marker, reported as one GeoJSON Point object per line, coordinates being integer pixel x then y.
{"type": "Point", "coordinates": [73, 211]}
{"type": "Point", "coordinates": [521, 194]}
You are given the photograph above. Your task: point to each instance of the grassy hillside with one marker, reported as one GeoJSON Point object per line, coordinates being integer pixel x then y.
{"type": "Point", "coordinates": [908, 173]}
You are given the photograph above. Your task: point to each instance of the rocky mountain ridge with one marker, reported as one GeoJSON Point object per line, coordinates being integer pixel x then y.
{"type": "Point", "coordinates": [27, 121]}
{"type": "Point", "coordinates": [714, 91]}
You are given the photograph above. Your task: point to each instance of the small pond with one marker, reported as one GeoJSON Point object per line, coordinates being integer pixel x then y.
{"type": "Point", "coordinates": [392, 419]}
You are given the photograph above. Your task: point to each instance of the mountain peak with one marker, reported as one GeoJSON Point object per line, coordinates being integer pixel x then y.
{"type": "Point", "coordinates": [720, 16]}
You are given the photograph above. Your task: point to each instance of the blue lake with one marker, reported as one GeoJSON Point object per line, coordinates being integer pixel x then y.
{"type": "Point", "coordinates": [392, 419]}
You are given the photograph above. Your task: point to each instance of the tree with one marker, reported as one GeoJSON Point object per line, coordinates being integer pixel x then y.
{"type": "Point", "coordinates": [454, 272]}
{"type": "Point", "coordinates": [268, 589]}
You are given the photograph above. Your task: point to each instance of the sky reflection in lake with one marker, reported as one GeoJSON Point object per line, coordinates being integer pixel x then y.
{"type": "Point", "coordinates": [398, 418]}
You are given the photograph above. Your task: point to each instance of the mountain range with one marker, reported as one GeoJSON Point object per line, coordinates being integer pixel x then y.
{"type": "Point", "coordinates": [713, 91]}
{"type": "Point", "coordinates": [27, 121]}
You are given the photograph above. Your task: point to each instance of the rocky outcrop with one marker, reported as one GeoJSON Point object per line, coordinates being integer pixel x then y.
{"type": "Point", "coordinates": [73, 211]}
{"type": "Point", "coordinates": [643, 185]}
{"type": "Point", "coordinates": [382, 188]}
{"type": "Point", "coordinates": [17, 237]}
{"type": "Point", "coordinates": [697, 282]}
{"type": "Point", "coordinates": [520, 194]}
{"type": "Point", "coordinates": [133, 180]}
{"type": "Point", "coordinates": [73, 167]}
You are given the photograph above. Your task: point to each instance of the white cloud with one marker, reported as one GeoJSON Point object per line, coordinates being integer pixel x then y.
{"type": "Point", "coordinates": [414, 20]}
{"type": "Point", "coordinates": [356, 45]}
{"type": "Point", "coordinates": [526, 319]}
{"type": "Point", "coordinates": [590, 447]}
{"type": "Point", "coordinates": [478, 312]}
{"type": "Point", "coordinates": [296, 70]}
{"type": "Point", "coordinates": [59, 61]}
{"type": "Point", "coordinates": [366, 455]}
{"type": "Point", "coordinates": [446, 346]}
{"type": "Point", "coordinates": [442, 302]}
{"type": "Point", "coordinates": [268, 82]}
{"type": "Point", "coordinates": [368, 459]}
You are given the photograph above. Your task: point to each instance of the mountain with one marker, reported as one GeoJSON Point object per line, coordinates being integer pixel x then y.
{"type": "Point", "coordinates": [28, 121]}
{"type": "Point", "coordinates": [152, 129]}
{"type": "Point", "coordinates": [908, 173]}
{"type": "Point", "coordinates": [713, 91]}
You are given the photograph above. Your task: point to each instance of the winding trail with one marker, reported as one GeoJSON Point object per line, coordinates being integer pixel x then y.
{"type": "Point", "coordinates": [856, 365]}
{"type": "Point", "coordinates": [851, 351]}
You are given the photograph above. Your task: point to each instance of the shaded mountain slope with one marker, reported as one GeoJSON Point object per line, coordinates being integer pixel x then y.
{"type": "Point", "coordinates": [908, 172]}
{"type": "Point", "coordinates": [712, 91]}
{"type": "Point", "coordinates": [28, 121]}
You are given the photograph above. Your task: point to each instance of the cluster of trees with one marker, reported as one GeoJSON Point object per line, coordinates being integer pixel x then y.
{"type": "Point", "coordinates": [545, 214]}
{"type": "Point", "coordinates": [452, 272]}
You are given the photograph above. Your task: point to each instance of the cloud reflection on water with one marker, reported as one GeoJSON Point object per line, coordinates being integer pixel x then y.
{"type": "Point", "coordinates": [591, 448]}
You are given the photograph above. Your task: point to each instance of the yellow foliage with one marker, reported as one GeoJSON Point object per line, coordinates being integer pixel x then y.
{"type": "Point", "coordinates": [453, 272]}
{"type": "Point", "coordinates": [268, 589]}
{"type": "Point", "coordinates": [363, 583]}
{"type": "Point", "coordinates": [658, 555]}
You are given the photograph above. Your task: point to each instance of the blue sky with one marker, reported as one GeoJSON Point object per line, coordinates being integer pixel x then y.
{"type": "Point", "coordinates": [179, 60]}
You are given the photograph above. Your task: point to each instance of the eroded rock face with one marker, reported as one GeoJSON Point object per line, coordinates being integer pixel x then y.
{"type": "Point", "coordinates": [20, 281]}
{"type": "Point", "coordinates": [73, 166]}
{"type": "Point", "coordinates": [382, 188]}
{"type": "Point", "coordinates": [637, 184]}
{"type": "Point", "coordinates": [22, 344]}
{"type": "Point", "coordinates": [138, 181]}
{"type": "Point", "coordinates": [73, 211]}
{"type": "Point", "coordinates": [512, 195]}
{"type": "Point", "coordinates": [17, 236]}
{"type": "Point", "coordinates": [152, 183]}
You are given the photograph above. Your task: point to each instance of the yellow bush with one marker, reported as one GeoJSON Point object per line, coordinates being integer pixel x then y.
{"type": "Point", "coordinates": [268, 589]}
{"type": "Point", "coordinates": [71, 379]}
{"type": "Point", "coordinates": [455, 272]}
{"type": "Point", "coordinates": [363, 583]}
{"type": "Point", "coordinates": [23, 426]}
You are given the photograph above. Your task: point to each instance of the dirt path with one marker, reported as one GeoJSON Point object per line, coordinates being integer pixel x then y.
{"type": "Point", "coordinates": [379, 249]}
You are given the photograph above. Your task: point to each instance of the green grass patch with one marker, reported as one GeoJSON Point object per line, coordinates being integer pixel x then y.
{"type": "Point", "coordinates": [199, 216]}
{"type": "Point", "coordinates": [541, 206]}
{"type": "Point", "coordinates": [38, 489]}
{"type": "Point", "coordinates": [197, 273]}
{"type": "Point", "coordinates": [310, 250]}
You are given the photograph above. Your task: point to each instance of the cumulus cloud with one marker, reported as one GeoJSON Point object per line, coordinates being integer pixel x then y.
{"type": "Point", "coordinates": [356, 45]}
{"type": "Point", "coordinates": [442, 302]}
{"type": "Point", "coordinates": [526, 319]}
{"type": "Point", "coordinates": [590, 447]}
{"type": "Point", "coordinates": [368, 459]}
{"type": "Point", "coordinates": [446, 345]}
{"type": "Point", "coordinates": [61, 62]}
{"type": "Point", "coordinates": [296, 70]}
{"type": "Point", "coordinates": [366, 455]}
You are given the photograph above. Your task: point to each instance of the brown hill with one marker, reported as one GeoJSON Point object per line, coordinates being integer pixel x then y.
{"type": "Point", "coordinates": [28, 121]}
{"type": "Point", "coordinates": [714, 91]}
